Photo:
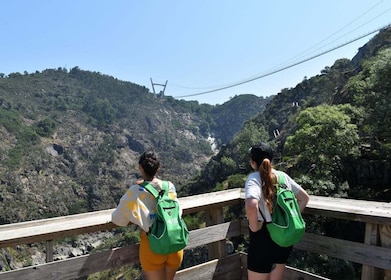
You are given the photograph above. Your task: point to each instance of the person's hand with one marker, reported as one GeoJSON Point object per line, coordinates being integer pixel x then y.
{"type": "Point", "coordinates": [139, 181]}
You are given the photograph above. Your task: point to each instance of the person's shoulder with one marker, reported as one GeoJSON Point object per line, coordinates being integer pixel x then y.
{"type": "Point", "coordinates": [137, 189]}
{"type": "Point", "coordinates": [289, 181]}
{"type": "Point", "coordinates": [280, 173]}
{"type": "Point", "coordinates": [253, 176]}
{"type": "Point", "coordinates": [158, 184]}
{"type": "Point", "coordinates": [171, 186]}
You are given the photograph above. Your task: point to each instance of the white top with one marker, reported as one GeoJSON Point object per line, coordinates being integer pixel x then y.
{"type": "Point", "coordinates": [138, 206]}
{"type": "Point", "coordinates": [253, 189]}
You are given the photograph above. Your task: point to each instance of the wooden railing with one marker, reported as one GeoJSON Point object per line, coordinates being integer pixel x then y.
{"type": "Point", "coordinates": [376, 260]}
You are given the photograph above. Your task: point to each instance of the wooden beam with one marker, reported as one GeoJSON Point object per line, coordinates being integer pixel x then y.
{"type": "Point", "coordinates": [49, 250]}
{"type": "Point", "coordinates": [350, 209]}
{"type": "Point", "coordinates": [385, 241]}
{"type": "Point", "coordinates": [56, 228]}
{"type": "Point", "coordinates": [76, 267]}
{"type": "Point", "coordinates": [60, 227]}
{"type": "Point", "coordinates": [290, 273]}
{"type": "Point", "coordinates": [203, 202]}
{"type": "Point", "coordinates": [214, 233]}
{"type": "Point", "coordinates": [371, 238]}
{"type": "Point", "coordinates": [218, 249]}
{"type": "Point", "coordinates": [357, 210]}
{"type": "Point", "coordinates": [347, 250]}
{"type": "Point", "coordinates": [97, 262]}
{"type": "Point", "coordinates": [226, 268]}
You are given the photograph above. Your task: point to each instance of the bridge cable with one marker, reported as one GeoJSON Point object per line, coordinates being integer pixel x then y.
{"type": "Point", "coordinates": [286, 67]}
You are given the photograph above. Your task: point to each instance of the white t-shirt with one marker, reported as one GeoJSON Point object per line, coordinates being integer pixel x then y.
{"type": "Point", "coordinates": [138, 206]}
{"type": "Point", "coordinates": [253, 189]}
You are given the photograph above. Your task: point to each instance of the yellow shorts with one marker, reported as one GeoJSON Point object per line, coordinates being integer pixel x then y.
{"type": "Point", "coordinates": [151, 261]}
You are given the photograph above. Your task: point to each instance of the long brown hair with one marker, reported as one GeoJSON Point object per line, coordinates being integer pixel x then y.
{"type": "Point", "coordinates": [262, 154]}
{"type": "Point", "coordinates": [268, 183]}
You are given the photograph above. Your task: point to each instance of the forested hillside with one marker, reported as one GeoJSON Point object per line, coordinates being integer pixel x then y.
{"type": "Point", "coordinates": [71, 139]}
{"type": "Point", "coordinates": [332, 132]}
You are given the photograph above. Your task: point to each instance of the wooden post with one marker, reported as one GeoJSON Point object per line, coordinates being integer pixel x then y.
{"type": "Point", "coordinates": [371, 238]}
{"type": "Point", "coordinates": [49, 251]}
{"type": "Point", "coordinates": [385, 241]}
{"type": "Point", "coordinates": [217, 249]}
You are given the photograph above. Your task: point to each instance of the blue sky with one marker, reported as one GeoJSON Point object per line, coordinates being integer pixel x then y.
{"type": "Point", "coordinates": [197, 46]}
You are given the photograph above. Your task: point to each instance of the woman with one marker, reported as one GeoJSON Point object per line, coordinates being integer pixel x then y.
{"type": "Point", "coordinates": [138, 206]}
{"type": "Point", "coordinates": [265, 259]}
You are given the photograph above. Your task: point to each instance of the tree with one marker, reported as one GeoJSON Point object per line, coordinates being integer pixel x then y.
{"type": "Point", "coordinates": [371, 90]}
{"type": "Point", "coordinates": [325, 135]}
{"type": "Point", "coordinates": [101, 110]}
{"type": "Point", "coordinates": [250, 135]}
{"type": "Point", "coordinates": [45, 127]}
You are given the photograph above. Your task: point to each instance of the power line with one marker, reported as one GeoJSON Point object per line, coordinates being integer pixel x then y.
{"type": "Point", "coordinates": [352, 31]}
{"type": "Point", "coordinates": [286, 67]}
{"type": "Point", "coordinates": [305, 52]}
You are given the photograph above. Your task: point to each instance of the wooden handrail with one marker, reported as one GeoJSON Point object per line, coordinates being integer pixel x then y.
{"type": "Point", "coordinates": [350, 209]}
{"type": "Point", "coordinates": [374, 214]}
{"type": "Point", "coordinates": [59, 227]}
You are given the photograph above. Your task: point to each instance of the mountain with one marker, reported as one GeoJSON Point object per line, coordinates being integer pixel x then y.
{"type": "Point", "coordinates": [71, 139]}
{"type": "Point", "coordinates": [331, 132]}
{"type": "Point", "coordinates": [232, 114]}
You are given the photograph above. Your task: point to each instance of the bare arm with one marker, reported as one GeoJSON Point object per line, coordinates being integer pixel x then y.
{"type": "Point", "coordinates": [252, 214]}
{"type": "Point", "coordinates": [302, 199]}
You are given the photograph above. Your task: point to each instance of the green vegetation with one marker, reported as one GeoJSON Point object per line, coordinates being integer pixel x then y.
{"type": "Point", "coordinates": [71, 140]}
{"type": "Point", "coordinates": [26, 136]}
{"type": "Point", "coordinates": [325, 136]}
{"type": "Point", "coordinates": [370, 90]}
{"type": "Point", "coordinates": [332, 128]}
{"type": "Point", "coordinates": [45, 127]}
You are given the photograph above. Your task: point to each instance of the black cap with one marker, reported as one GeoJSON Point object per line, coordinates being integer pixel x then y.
{"type": "Point", "coordinates": [260, 151]}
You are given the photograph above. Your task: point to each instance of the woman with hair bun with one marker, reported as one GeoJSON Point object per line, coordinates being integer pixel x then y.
{"type": "Point", "coordinates": [138, 206]}
{"type": "Point", "coordinates": [265, 259]}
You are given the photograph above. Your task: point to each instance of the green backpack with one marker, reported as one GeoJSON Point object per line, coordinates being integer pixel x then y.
{"type": "Point", "coordinates": [168, 233]}
{"type": "Point", "coordinates": [287, 226]}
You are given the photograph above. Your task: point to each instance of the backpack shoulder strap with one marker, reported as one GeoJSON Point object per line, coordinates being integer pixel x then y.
{"type": "Point", "coordinates": [281, 179]}
{"type": "Point", "coordinates": [150, 189]}
{"type": "Point", "coordinates": [165, 186]}
{"type": "Point", "coordinates": [153, 191]}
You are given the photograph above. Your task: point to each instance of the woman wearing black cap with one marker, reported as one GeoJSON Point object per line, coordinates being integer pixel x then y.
{"type": "Point", "coordinates": [266, 259]}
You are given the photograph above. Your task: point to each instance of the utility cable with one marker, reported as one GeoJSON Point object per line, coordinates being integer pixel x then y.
{"type": "Point", "coordinates": [286, 67]}
{"type": "Point", "coordinates": [330, 36]}
{"type": "Point", "coordinates": [303, 53]}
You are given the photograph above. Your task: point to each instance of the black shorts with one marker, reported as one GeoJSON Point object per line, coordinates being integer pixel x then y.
{"type": "Point", "coordinates": [263, 252]}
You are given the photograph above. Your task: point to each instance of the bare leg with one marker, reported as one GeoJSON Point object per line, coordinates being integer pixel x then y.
{"type": "Point", "coordinates": [277, 272]}
{"type": "Point", "coordinates": [162, 274]}
{"type": "Point", "coordinates": [251, 275]}
{"type": "Point", "coordinates": [155, 275]}
{"type": "Point", "coordinates": [170, 273]}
